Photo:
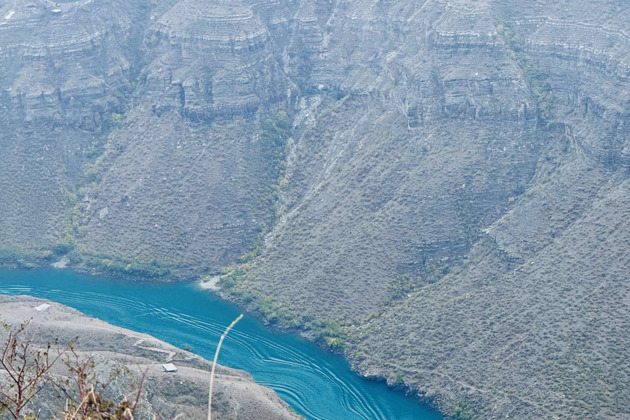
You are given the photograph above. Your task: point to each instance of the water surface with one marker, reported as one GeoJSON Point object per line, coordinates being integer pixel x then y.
{"type": "Point", "coordinates": [318, 385]}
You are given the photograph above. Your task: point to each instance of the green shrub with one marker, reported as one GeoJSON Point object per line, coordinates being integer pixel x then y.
{"type": "Point", "coordinates": [463, 412]}
{"type": "Point", "coordinates": [117, 266]}
{"type": "Point", "coordinates": [20, 258]}
{"type": "Point", "coordinates": [537, 79]}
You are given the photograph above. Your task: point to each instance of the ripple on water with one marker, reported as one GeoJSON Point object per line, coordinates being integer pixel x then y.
{"type": "Point", "coordinates": [316, 384]}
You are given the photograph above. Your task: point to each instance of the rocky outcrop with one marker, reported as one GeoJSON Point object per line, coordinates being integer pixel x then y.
{"type": "Point", "coordinates": [442, 154]}
{"type": "Point", "coordinates": [214, 61]}
{"type": "Point", "coordinates": [180, 68]}
{"type": "Point", "coordinates": [67, 63]}
{"type": "Point", "coordinates": [442, 104]}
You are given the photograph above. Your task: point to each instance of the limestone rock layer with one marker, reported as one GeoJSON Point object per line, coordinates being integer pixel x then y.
{"type": "Point", "coordinates": [440, 185]}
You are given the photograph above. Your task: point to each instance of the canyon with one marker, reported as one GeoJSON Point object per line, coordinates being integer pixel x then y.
{"type": "Point", "coordinates": [437, 189]}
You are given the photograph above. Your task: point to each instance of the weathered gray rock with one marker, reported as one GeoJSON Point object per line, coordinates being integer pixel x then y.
{"type": "Point", "coordinates": [66, 63]}
{"type": "Point", "coordinates": [453, 143]}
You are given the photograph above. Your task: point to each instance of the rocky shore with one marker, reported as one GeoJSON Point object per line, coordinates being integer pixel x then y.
{"type": "Point", "coordinates": [169, 395]}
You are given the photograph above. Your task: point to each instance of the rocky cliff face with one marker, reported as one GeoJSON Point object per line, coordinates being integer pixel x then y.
{"type": "Point", "coordinates": [452, 192]}
{"type": "Point", "coordinates": [69, 62]}
{"type": "Point", "coordinates": [64, 72]}
{"type": "Point", "coordinates": [194, 79]}
{"type": "Point", "coordinates": [396, 86]}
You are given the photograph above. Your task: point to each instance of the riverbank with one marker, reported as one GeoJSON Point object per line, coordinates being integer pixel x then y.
{"type": "Point", "coordinates": [301, 373]}
{"type": "Point", "coordinates": [181, 394]}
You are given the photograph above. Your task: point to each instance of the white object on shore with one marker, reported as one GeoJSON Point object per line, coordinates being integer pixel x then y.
{"type": "Point", "coordinates": [212, 284]}
{"type": "Point", "coordinates": [169, 367]}
{"type": "Point", "coordinates": [62, 263]}
{"type": "Point", "coordinates": [42, 307]}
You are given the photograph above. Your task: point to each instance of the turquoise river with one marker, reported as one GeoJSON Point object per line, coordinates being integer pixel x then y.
{"type": "Point", "coordinates": [318, 385]}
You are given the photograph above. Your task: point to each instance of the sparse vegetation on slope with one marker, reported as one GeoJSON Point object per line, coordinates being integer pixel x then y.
{"type": "Point", "coordinates": [482, 138]}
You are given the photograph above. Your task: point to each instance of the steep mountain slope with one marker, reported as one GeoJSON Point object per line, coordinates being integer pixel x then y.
{"type": "Point", "coordinates": [543, 339]}
{"type": "Point", "coordinates": [198, 193]}
{"type": "Point", "coordinates": [437, 186]}
{"type": "Point", "coordinates": [63, 73]}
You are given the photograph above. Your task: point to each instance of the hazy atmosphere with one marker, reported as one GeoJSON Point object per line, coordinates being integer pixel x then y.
{"type": "Point", "coordinates": [421, 207]}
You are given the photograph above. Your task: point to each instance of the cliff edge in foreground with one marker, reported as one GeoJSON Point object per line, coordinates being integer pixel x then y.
{"type": "Point", "coordinates": [181, 394]}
